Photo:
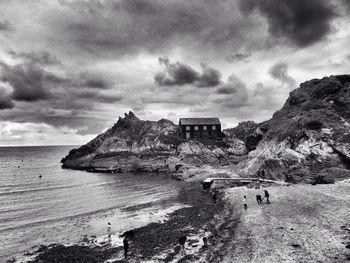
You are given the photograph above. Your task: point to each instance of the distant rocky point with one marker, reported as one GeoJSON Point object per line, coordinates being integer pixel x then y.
{"type": "Point", "coordinates": [149, 146]}
{"type": "Point", "coordinates": [307, 140]}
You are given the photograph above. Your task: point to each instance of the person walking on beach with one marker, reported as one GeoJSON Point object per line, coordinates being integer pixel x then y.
{"type": "Point", "coordinates": [126, 247]}
{"type": "Point", "coordinates": [258, 199]}
{"type": "Point", "coordinates": [214, 197]}
{"type": "Point", "coordinates": [109, 232]}
{"type": "Point", "coordinates": [205, 238]}
{"type": "Point", "coordinates": [245, 206]}
{"type": "Point", "coordinates": [182, 241]}
{"type": "Point", "coordinates": [267, 196]}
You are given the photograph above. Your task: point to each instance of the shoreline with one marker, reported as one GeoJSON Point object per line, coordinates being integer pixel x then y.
{"type": "Point", "coordinates": [154, 242]}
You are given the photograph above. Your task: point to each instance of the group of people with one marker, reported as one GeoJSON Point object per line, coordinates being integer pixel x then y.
{"type": "Point", "coordinates": [259, 199]}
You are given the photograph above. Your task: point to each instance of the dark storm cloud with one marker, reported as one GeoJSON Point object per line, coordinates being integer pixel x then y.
{"type": "Point", "coordinates": [128, 27]}
{"type": "Point", "coordinates": [83, 122]}
{"type": "Point", "coordinates": [5, 99]}
{"type": "Point", "coordinates": [279, 71]}
{"type": "Point", "coordinates": [233, 86]}
{"type": "Point", "coordinates": [28, 81]}
{"type": "Point", "coordinates": [209, 77]}
{"type": "Point", "coordinates": [143, 24]}
{"type": "Point", "coordinates": [175, 74]}
{"type": "Point", "coordinates": [179, 74]}
{"type": "Point", "coordinates": [302, 22]}
{"type": "Point", "coordinates": [92, 80]}
{"type": "Point", "coordinates": [96, 83]}
{"type": "Point", "coordinates": [6, 103]}
{"type": "Point", "coordinates": [5, 26]}
{"type": "Point", "coordinates": [92, 96]}
{"type": "Point", "coordinates": [31, 83]}
{"type": "Point", "coordinates": [239, 57]}
{"type": "Point", "coordinates": [42, 57]}
{"type": "Point", "coordinates": [232, 94]}
{"type": "Point", "coordinates": [347, 4]}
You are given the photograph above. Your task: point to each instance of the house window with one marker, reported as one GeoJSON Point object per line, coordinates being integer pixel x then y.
{"type": "Point", "coordinates": [188, 135]}
{"type": "Point", "coordinates": [204, 127]}
{"type": "Point", "coordinates": [213, 127]}
{"type": "Point", "coordinates": [196, 128]}
{"type": "Point", "coordinates": [188, 128]}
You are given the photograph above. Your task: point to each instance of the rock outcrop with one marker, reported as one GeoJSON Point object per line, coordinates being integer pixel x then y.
{"type": "Point", "coordinates": [148, 146]}
{"type": "Point", "coordinates": [307, 140]}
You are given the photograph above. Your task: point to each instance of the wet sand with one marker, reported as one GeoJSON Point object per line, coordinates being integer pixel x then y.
{"type": "Point", "coordinates": [156, 241]}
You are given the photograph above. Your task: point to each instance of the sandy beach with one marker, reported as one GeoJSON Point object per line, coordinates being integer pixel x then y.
{"type": "Point", "coordinates": [303, 223]}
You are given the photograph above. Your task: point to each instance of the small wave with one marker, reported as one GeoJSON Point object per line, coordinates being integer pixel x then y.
{"type": "Point", "coordinates": [49, 188]}
{"type": "Point", "coordinates": [37, 189]}
{"type": "Point", "coordinates": [14, 185]}
{"type": "Point", "coordinates": [57, 219]}
{"type": "Point", "coordinates": [10, 210]}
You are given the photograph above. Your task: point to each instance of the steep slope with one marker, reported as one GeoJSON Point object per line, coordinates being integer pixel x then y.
{"type": "Point", "coordinates": [309, 138]}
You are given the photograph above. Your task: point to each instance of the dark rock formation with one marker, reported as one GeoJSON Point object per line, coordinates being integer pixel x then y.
{"type": "Point", "coordinates": [243, 130]}
{"type": "Point", "coordinates": [248, 132]}
{"type": "Point", "coordinates": [309, 136]}
{"type": "Point", "coordinates": [148, 146]}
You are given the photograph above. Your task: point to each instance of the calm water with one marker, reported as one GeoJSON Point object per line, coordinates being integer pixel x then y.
{"type": "Point", "coordinates": [65, 205]}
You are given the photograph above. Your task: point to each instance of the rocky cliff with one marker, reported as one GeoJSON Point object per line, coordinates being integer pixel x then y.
{"type": "Point", "coordinates": [307, 140]}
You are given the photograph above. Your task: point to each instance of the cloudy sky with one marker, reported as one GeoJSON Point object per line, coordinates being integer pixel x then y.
{"type": "Point", "coordinates": [68, 68]}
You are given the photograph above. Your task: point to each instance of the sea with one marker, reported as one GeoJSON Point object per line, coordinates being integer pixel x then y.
{"type": "Point", "coordinates": [41, 203]}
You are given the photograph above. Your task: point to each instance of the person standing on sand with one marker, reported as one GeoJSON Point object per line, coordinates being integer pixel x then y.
{"type": "Point", "coordinates": [258, 199]}
{"type": "Point", "coordinates": [182, 241]}
{"type": "Point", "coordinates": [126, 247]}
{"type": "Point", "coordinates": [205, 238]}
{"type": "Point", "coordinates": [245, 206]}
{"type": "Point", "coordinates": [109, 232]}
{"type": "Point", "coordinates": [267, 195]}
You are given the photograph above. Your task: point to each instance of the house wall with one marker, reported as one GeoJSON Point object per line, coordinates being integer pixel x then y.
{"type": "Point", "coordinates": [201, 133]}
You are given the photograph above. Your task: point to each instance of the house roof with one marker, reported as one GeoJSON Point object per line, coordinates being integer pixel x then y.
{"type": "Point", "coordinates": [199, 121]}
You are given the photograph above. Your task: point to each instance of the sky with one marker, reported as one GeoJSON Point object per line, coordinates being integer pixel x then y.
{"type": "Point", "coordinates": [70, 68]}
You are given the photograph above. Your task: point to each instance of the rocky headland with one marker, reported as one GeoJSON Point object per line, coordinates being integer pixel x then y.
{"type": "Point", "coordinates": [307, 140]}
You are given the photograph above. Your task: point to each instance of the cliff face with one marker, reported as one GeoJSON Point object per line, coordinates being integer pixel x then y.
{"type": "Point", "coordinates": [309, 138]}
{"type": "Point", "coordinates": [136, 145]}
